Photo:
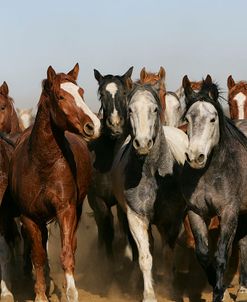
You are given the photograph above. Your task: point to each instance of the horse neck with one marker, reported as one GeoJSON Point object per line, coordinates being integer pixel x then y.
{"type": "Point", "coordinates": [46, 140]}
{"type": "Point", "coordinates": [159, 159]}
{"type": "Point", "coordinates": [15, 126]}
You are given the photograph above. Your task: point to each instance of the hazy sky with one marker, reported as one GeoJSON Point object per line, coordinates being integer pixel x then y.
{"type": "Point", "coordinates": [186, 37]}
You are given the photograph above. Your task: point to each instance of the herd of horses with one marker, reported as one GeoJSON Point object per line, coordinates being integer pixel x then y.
{"type": "Point", "coordinates": [170, 159]}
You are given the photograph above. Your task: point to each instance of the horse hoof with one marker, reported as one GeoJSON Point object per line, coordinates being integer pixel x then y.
{"type": "Point", "coordinates": [227, 297]}
{"type": "Point", "coordinates": [242, 294]}
{"type": "Point", "coordinates": [149, 299]}
{"type": "Point", "coordinates": [72, 295]}
{"type": "Point", "coordinates": [8, 297]}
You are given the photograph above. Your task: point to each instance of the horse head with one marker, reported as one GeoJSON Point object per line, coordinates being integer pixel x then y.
{"type": "Point", "coordinates": [113, 92]}
{"type": "Point", "coordinates": [237, 98]}
{"type": "Point", "coordinates": [67, 107]}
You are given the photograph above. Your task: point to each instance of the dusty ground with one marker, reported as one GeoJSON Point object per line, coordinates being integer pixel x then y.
{"type": "Point", "coordinates": [100, 281]}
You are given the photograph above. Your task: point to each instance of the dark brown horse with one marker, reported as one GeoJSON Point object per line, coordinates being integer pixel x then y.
{"type": "Point", "coordinates": [9, 122]}
{"type": "Point", "coordinates": [50, 172]}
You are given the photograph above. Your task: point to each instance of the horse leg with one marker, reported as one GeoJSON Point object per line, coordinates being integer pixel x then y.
{"type": "Point", "coordinates": [131, 253]}
{"type": "Point", "coordinates": [68, 221]}
{"type": "Point", "coordinates": [242, 292]}
{"type": "Point", "coordinates": [228, 226]}
{"type": "Point", "coordinates": [38, 254]}
{"type": "Point", "coordinates": [139, 229]}
{"type": "Point", "coordinates": [5, 256]}
{"type": "Point", "coordinates": [104, 220]}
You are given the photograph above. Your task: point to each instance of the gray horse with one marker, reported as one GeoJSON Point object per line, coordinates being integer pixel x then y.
{"type": "Point", "coordinates": [214, 182]}
{"type": "Point", "coordinates": [145, 177]}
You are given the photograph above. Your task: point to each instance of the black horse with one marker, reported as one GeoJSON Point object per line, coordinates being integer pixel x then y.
{"type": "Point", "coordinates": [214, 181]}
{"type": "Point", "coordinates": [113, 90]}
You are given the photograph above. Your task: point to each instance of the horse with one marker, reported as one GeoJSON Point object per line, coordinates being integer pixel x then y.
{"type": "Point", "coordinates": [9, 122]}
{"type": "Point", "coordinates": [237, 98]}
{"type": "Point", "coordinates": [26, 117]}
{"type": "Point", "coordinates": [170, 103]}
{"type": "Point", "coordinates": [216, 146]}
{"type": "Point", "coordinates": [50, 172]}
{"type": "Point", "coordinates": [112, 92]}
{"type": "Point", "coordinates": [9, 235]}
{"type": "Point", "coordinates": [145, 175]}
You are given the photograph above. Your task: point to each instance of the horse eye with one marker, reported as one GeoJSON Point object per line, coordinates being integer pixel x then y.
{"type": "Point", "coordinates": [156, 110]}
{"type": "Point", "coordinates": [212, 120]}
{"type": "Point", "coordinates": [130, 111]}
{"type": "Point", "coordinates": [3, 107]}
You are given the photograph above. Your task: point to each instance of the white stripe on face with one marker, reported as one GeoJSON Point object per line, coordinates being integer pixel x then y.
{"type": "Point", "coordinates": [74, 91]}
{"type": "Point", "coordinates": [240, 99]}
{"type": "Point", "coordinates": [112, 89]}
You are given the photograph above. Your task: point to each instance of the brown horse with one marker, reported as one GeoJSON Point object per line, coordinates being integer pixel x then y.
{"type": "Point", "coordinates": [237, 99]}
{"type": "Point", "coordinates": [158, 81]}
{"type": "Point", "coordinates": [50, 172]}
{"type": "Point", "coordinates": [9, 122]}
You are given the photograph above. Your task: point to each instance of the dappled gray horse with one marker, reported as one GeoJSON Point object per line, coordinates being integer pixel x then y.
{"type": "Point", "coordinates": [214, 182]}
{"type": "Point", "coordinates": [145, 177]}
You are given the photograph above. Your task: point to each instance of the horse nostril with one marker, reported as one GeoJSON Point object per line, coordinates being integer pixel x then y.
{"type": "Point", "coordinates": [89, 129]}
{"type": "Point", "coordinates": [136, 143]}
{"type": "Point", "coordinates": [201, 158]}
{"type": "Point", "coordinates": [150, 144]}
{"type": "Point", "coordinates": [187, 157]}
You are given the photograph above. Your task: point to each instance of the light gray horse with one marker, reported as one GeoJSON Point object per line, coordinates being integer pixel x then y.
{"type": "Point", "coordinates": [145, 176]}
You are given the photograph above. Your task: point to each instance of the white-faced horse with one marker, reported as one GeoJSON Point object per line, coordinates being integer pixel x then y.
{"type": "Point", "coordinates": [145, 175]}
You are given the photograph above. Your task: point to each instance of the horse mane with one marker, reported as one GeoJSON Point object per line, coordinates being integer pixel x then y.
{"type": "Point", "coordinates": [227, 127]}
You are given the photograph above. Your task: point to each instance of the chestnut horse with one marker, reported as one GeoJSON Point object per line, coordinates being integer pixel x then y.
{"type": "Point", "coordinates": [9, 122]}
{"type": "Point", "coordinates": [237, 99]}
{"type": "Point", "coordinates": [50, 172]}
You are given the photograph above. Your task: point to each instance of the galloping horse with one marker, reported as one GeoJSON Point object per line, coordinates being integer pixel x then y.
{"type": "Point", "coordinates": [216, 146]}
{"type": "Point", "coordinates": [145, 176]}
{"type": "Point", "coordinates": [112, 92]}
{"type": "Point", "coordinates": [237, 99]}
{"type": "Point", "coordinates": [50, 172]}
{"type": "Point", "coordinates": [9, 122]}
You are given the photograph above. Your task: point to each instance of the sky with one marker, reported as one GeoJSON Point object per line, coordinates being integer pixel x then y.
{"type": "Point", "coordinates": [190, 37]}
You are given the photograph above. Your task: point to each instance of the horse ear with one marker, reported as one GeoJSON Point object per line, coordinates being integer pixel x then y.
{"type": "Point", "coordinates": [230, 82]}
{"type": "Point", "coordinates": [74, 72]}
{"type": "Point", "coordinates": [208, 80]}
{"type": "Point", "coordinates": [51, 74]}
{"type": "Point", "coordinates": [127, 78]}
{"type": "Point", "coordinates": [98, 75]}
{"type": "Point", "coordinates": [210, 88]}
{"type": "Point", "coordinates": [128, 73]}
{"type": "Point", "coordinates": [4, 89]}
{"type": "Point", "coordinates": [143, 74]}
{"type": "Point", "coordinates": [187, 86]}
{"type": "Point", "coordinates": [162, 73]}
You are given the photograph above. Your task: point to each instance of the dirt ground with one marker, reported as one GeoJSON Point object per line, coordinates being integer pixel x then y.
{"type": "Point", "coordinates": [98, 280]}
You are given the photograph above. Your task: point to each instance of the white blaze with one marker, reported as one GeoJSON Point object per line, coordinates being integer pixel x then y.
{"type": "Point", "coordinates": [240, 98]}
{"type": "Point", "coordinates": [74, 91]}
{"type": "Point", "coordinates": [112, 89]}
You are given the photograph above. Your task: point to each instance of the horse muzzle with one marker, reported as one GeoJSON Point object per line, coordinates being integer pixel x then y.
{"type": "Point", "coordinates": [142, 147]}
{"type": "Point", "coordinates": [196, 162]}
